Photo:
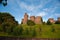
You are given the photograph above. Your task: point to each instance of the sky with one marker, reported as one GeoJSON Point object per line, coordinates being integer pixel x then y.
{"type": "Point", "coordinates": [44, 8]}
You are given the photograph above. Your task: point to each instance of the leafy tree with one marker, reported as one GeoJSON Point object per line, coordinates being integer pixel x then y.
{"type": "Point", "coordinates": [44, 23]}
{"type": "Point", "coordinates": [4, 26]}
{"type": "Point", "coordinates": [4, 2]}
{"type": "Point", "coordinates": [7, 22]}
{"type": "Point", "coordinates": [30, 23]}
{"type": "Point", "coordinates": [33, 32]}
{"type": "Point", "coordinates": [57, 22]}
{"type": "Point", "coordinates": [27, 31]}
{"type": "Point", "coordinates": [48, 22]}
{"type": "Point", "coordinates": [18, 31]}
{"type": "Point", "coordinates": [6, 17]}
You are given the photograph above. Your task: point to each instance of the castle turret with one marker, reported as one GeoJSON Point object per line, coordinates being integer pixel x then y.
{"type": "Point", "coordinates": [25, 18]}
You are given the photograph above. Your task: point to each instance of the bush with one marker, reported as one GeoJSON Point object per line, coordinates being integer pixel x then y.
{"type": "Point", "coordinates": [57, 22]}
{"type": "Point", "coordinates": [18, 31]}
{"type": "Point", "coordinates": [30, 23]}
{"type": "Point", "coordinates": [48, 22]}
{"type": "Point", "coordinates": [27, 31]}
{"type": "Point", "coordinates": [33, 33]}
{"type": "Point", "coordinates": [52, 29]}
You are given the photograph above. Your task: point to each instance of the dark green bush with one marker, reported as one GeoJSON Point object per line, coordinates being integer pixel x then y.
{"type": "Point", "coordinates": [48, 22]}
{"type": "Point", "coordinates": [30, 23]}
{"type": "Point", "coordinates": [18, 31]}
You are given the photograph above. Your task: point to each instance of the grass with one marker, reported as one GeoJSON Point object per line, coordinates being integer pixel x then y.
{"type": "Point", "coordinates": [42, 31]}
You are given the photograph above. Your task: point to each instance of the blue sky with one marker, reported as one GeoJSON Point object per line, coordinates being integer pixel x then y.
{"type": "Point", "coordinates": [45, 8]}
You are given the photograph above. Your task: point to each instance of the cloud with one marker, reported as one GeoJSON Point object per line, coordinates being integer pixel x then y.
{"type": "Point", "coordinates": [27, 7]}
{"type": "Point", "coordinates": [51, 10]}
{"type": "Point", "coordinates": [32, 7]}
{"type": "Point", "coordinates": [37, 10]}
{"type": "Point", "coordinates": [42, 14]}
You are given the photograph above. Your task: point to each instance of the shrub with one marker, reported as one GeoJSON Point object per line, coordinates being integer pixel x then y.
{"type": "Point", "coordinates": [52, 29]}
{"type": "Point", "coordinates": [27, 31]}
{"type": "Point", "coordinates": [48, 22]}
{"type": "Point", "coordinates": [30, 23]}
{"type": "Point", "coordinates": [18, 31]}
{"type": "Point", "coordinates": [33, 33]}
{"type": "Point", "coordinates": [57, 22]}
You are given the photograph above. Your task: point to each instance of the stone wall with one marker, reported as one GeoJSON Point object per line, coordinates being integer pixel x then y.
{"type": "Point", "coordinates": [38, 20]}
{"type": "Point", "coordinates": [25, 18]}
{"type": "Point", "coordinates": [32, 18]}
{"type": "Point", "coordinates": [51, 20]}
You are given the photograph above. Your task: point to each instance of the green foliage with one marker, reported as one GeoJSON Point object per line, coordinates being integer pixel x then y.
{"type": "Point", "coordinates": [18, 31]}
{"type": "Point", "coordinates": [34, 33]}
{"type": "Point", "coordinates": [6, 17]}
{"type": "Point", "coordinates": [7, 22]}
{"type": "Point", "coordinates": [30, 23]}
{"type": "Point", "coordinates": [9, 25]}
{"type": "Point", "coordinates": [27, 31]}
{"type": "Point", "coordinates": [4, 2]}
{"type": "Point", "coordinates": [52, 29]}
{"type": "Point", "coordinates": [48, 22]}
{"type": "Point", "coordinates": [57, 22]}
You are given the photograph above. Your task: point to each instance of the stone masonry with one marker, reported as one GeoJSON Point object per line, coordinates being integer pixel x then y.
{"type": "Point", "coordinates": [36, 20]}
{"type": "Point", "coordinates": [25, 19]}
{"type": "Point", "coordinates": [32, 18]}
{"type": "Point", "coordinates": [51, 20]}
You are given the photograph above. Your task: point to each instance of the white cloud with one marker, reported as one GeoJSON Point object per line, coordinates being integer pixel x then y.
{"type": "Point", "coordinates": [32, 7]}
{"type": "Point", "coordinates": [42, 14]}
{"type": "Point", "coordinates": [23, 5]}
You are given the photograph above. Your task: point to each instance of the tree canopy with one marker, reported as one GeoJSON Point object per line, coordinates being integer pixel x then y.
{"type": "Point", "coordinates": [7, 18]}
{"type": "Point", "coordinates": [4, 2]}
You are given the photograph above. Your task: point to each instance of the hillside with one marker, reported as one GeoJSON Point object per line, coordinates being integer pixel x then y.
{"type": "Point", "coordinates": [10, 27]}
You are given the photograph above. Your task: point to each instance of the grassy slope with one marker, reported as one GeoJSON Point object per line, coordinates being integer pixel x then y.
{"type": "Point", "coordinates": [46, 30]}
{"type": "Point", "coordinates": [42, 31]}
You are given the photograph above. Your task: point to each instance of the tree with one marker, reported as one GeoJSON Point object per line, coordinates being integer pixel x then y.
{"type": "Point", "coordinates": [33, 32]}
{"type": "Point", "coordinates": [4, 2]}
{"type": "Point", "coordinates": [18, 31]}
{"type": "Point", "coordinates": [30, 23]}
{"type": "Point", "coordinates": [7, 17]}
{"type": "Point", "coordinates": [57, 22]}
{"type": "Point", "coordinates": [7, 22]}
{"type": "Point", "coordinates": [48, 22]}
{"type": "Point", "coordinates": [27, 31]}
{"type": "Point", "coordinates": [5, 26]}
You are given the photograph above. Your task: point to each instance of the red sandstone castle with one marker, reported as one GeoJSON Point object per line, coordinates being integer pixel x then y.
{"type": "Point", "coordinates": [36, 20]}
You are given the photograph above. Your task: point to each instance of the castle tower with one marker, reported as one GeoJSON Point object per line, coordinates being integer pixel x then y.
{"type": "Point", "coordinates": [51, 20]}
{"type": "Point", "coordinates": [38, 20]}
{"type": "Point", "coordinates": [25, 18]}
{"type": "Point", "coordinates": [32, 18]}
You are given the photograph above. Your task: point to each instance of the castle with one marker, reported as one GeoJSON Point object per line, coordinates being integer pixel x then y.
{"type": "Point", "coordinates": [51, 20]}
{"type": "Point", "coordinates": [36, 20]}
